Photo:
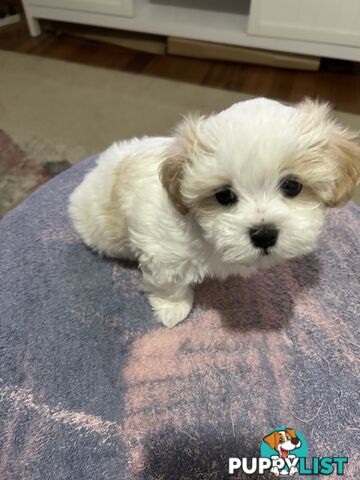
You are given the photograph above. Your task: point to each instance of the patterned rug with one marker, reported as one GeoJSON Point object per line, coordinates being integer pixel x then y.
{"type": "Point", "coordinates": [93, 388]}
{"type": "Point", "coordinates": [26, 163]}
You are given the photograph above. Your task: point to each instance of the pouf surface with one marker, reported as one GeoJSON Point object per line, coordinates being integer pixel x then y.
{"type": "Point", "coordinates": [93, 388]}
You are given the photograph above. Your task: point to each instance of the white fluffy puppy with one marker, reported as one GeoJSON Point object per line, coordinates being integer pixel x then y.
{"type": "Point", "coordinates": [227, 194]}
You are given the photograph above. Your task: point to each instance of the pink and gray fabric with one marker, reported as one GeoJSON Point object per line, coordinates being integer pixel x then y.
{"type": "Point", "coordinates": [92, 388]}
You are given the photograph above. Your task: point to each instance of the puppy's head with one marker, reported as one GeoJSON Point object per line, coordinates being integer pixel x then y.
{"type": "Point", "coordinates": [259, 176]}
{"type": "Point", "coordinates": [283, 441]}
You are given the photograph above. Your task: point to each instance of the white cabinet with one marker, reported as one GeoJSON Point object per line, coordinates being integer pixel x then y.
{"type": "Point", "coordinates": [327, 28]}
{"type": "Point", "coordinates": [328, 21]}
{"type": "Point", "coordinates": [107, 7]}
{"type": "Point", "coordinates": [76, 10]}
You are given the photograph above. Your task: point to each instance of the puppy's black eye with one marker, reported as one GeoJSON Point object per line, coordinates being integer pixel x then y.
{"type": "Point", "coordinates": [290, 188]}
{"type": "Point", "coordinates": [226, 197]}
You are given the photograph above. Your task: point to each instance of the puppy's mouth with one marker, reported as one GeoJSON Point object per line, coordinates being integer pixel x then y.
{"type": "Point", "coordinates": [284, 453]}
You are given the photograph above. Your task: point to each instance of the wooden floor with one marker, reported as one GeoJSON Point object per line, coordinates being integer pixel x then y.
{"type": "Point", "coordinates": [336, 81]}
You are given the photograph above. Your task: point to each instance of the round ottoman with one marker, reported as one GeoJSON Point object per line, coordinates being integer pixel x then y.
{"type": "Point", "coordinates": [92, 387]}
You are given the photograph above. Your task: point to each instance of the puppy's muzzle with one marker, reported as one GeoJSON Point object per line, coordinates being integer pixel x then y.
{"type": "Point", "coordinates": [264, 236]}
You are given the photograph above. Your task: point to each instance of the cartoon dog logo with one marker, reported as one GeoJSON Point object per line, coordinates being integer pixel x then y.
{"type": "Point", "coordinates": [283, 442]}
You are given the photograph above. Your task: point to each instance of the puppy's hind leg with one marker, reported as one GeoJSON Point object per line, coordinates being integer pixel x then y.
{"type": "Point", "coordinates": [100, 222]}
{"type": "Point", "coordinates": [171, 305]}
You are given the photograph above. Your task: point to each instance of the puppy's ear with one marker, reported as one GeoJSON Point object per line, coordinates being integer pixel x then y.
{"type": "Point", "coordinates": [186, 143]}
{"type": "Point", "coordinates": [272, 439]}
{"type": "Point", "coordinates": [171, 174]}
{"type": "Point", "coordinates": [346, 150]}
{"type": "Point", "coordinates": [291, 432]}
{"type": "Point", "coordinates": [338, 146]}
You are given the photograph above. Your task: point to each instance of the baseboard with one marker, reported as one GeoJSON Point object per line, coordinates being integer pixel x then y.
{"type": "Point", "coordinates": [217, 51]}
{"type": "Point", "coordinates": [133, 40]}
{"type": "Point", "coordinates": [9, 20]}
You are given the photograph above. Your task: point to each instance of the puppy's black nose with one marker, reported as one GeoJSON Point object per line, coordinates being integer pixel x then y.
{"type": "Point", "coordinates": [295, 441]}
{"type": "Point", "coordinates": [263, 236]}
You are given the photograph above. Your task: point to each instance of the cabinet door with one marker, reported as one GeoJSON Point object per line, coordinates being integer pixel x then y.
{"type": "Point", "coordinates": [123, 8]}
{"type": "Point", "coordinates": [328, 21]}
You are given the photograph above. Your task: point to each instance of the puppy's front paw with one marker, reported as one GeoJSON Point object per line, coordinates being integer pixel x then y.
{"type": "Point", "coordinates": [171, 312]}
